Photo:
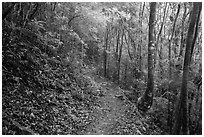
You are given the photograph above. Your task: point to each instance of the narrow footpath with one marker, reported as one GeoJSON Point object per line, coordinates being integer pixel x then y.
{"type": "Point", "coordinates": [110, 109]}
{"type": "Point", "coordinates": [115, 114]}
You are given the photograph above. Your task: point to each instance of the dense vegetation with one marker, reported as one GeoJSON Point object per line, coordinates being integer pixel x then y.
{"type": "Point", "coordinates": [78, 68]}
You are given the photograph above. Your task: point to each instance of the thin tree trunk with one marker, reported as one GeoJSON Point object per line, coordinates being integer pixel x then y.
{"type": "Point", "coordinates": [132, 43]}
{"type": "Point", "coordinates": [171, 39]}
{"type": "Point", "coordinates": [182, 31]}
{"type": "Point", "coordinates": [105, 52]}
{"type": "Point", "coordinates": [126, 66]}
{"type": "Point", "coordinates": [169, 120]}
{"type": "Point", "coordinates": [159, 35]}
{"type": "Point", "coordinates": [128, 47]}
{"type": "Point", "coordinates": [161, 48]}
{"type": "Point", "coordinates": [119, 58]}
{"type": "Point", "coordinates": [145, 102]}
{"type": "Point", "coordinates": [117, 44]}
{"type": "Point", "coordinates": [141, 37]}
{"type": "Point", "coordinates": [108, 60]}
{"type": "Point", "coordinates": [151, 47]}
{"type": "Point", "coordinates": [116, 51]}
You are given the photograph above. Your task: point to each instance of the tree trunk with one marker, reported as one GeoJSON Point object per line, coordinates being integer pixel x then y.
{"type": "Point", "coordinates": [145, 102]}
{"type": "Point", "coordinates": [159, 35]}
{"type": "Point", "coordinates": [182, 109]}
{"type": "Point", "coordinates": [109, 58]}
{"type": "Point", "coordinates": [126, 68]}
{"type": "Point", "coordinates": [169, 120]}
{"type": "Point", "coordinates": [105, 52]}
{"type": "Point", "coordinates": [116, 51]}
{"type": "Point", "coordinates": [196, 31]}
{"type": "Point", "coordinates": [119, 57]}
{"type": "Point", "coordinates": [128, 46]}
{"type": "Point", "coordinates": [141, 37]}
{"type": "Point", "coordinates": [182, 31]}
{"type": "Point", "coordinates": [171, 39]}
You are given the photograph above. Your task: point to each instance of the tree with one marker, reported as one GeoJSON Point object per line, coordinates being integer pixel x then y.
{"type": "Point", "coordinates": [182, 30]}
{"type": "Point", "coordinates": [171, 39]}
{"type": "Point", "coordinates": [145, 102]}
{"type": "Point", "coordinates": [105, 52]}
{"type": "Point", "coordinates": [170, 65]}
{"type": "Point", "coordinates": [159, 35]}
{"type": "Point", "coordinates": [196, 31]}
{"type": "Point", "coordinates": [119, 57]}
{"type": "Point", "coordinates": [141, 37]}
{"type": "Point", "coordinates": [181, 120]}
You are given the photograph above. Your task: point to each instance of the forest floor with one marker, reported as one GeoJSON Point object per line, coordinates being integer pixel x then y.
{"type": "Point", "coordinates": [103, 110]}
{"type": "Point", "coordinates": [110, 109]}
{"type": "Point", "coordinates": [116, 114]}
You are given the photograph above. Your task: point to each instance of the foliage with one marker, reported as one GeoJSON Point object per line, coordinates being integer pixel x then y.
{"type": "Point", "coordinates": [53, 57]}
{"type": "Point", "coordinates": [41, 92]}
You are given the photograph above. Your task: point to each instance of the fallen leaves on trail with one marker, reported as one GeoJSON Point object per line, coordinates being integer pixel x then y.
{"type": "Point", "coordinates": [132, 123]}
{"type": "Point", "coordinates": [119, 114]}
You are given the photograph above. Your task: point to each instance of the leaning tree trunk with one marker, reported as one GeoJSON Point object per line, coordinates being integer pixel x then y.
{"type": "Point", "coordinates": [145, 102]}
{"type": "Point", "coordinates": [181, 121]}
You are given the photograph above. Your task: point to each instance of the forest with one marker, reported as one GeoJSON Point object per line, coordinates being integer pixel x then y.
{"type": "Point", "coordinates": [101, 68]}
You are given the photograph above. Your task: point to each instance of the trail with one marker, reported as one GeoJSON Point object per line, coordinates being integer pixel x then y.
{"type": "Point", "coordinates": [110, 109]}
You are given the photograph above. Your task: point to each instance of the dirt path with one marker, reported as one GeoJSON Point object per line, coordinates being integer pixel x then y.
{"type": "Point", "coordinates": [110, 109]}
